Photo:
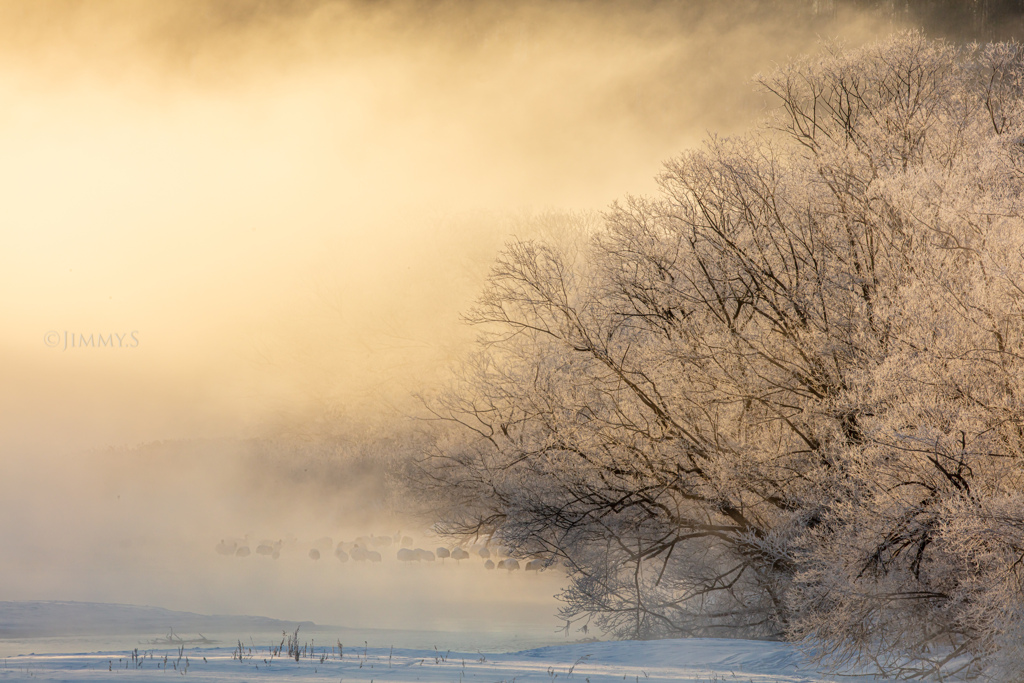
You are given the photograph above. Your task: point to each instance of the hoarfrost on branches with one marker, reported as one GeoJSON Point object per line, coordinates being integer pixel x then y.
{"type": "Point", "coordinates": [783, 398]}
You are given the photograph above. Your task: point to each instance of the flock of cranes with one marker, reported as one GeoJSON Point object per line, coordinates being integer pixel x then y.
{"type": "Point", "coordinates": [375, 548]}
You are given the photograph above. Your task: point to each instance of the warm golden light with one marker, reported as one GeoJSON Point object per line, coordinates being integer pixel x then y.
{"type": "Point", "coordinates": [251, 215]}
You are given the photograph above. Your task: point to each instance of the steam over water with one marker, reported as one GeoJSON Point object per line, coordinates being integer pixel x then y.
{"type": "Point", "coordinates": [234, 224]}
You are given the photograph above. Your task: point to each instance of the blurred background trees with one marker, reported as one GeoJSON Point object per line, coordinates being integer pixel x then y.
{"type": "Point", "coordinates": [963, 19]}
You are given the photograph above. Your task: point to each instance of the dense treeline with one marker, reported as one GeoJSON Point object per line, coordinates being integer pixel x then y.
{"type": "Point", "coordinates": [785, 398]}
{"type": "Point", "coordinates": [958, 19]}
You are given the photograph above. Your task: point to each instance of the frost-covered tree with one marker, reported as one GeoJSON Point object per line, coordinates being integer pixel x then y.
{"type": "Point", "coordinates": [915, 566]}
{"type": "Point", "coordinates": [783, 398]}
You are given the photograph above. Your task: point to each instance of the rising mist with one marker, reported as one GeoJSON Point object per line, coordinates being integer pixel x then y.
{"type": "Point", "coordinates": [286, 206]}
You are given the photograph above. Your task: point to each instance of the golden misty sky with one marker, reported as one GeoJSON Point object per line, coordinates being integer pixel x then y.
{"type": "Point", "coordinates": [282, 206]}
{"type": "Point", "coordinates": [274, 211]}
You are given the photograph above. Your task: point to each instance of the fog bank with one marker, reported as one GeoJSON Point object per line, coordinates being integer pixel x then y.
{"type": "Point", "coordinates": [230, 220]}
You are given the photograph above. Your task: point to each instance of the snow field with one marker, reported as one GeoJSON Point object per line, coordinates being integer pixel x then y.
{"type": "Point", "coordinates": [684, 661]}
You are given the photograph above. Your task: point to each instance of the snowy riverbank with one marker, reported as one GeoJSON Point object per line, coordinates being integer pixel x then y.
{"type": "Point", "coordinates": [695, 660]}
{"type": "Point", "coordinates": [96, 641]}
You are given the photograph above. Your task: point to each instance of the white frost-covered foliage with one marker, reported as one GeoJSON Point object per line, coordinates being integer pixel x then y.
{"type": "Point", "coordinates": [785, 398]}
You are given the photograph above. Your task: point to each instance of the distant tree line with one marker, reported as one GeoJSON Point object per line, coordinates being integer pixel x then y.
{"type": "Point", "coordinates": [958, 19]}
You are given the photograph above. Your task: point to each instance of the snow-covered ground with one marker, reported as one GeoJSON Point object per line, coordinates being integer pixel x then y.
{"type": "Point", "coordinates": [255, 652]}
{"type": "Point", "coordinates": [51, 627]}
{"type": "Point", "coordinates": [694, 660]}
